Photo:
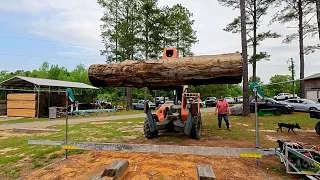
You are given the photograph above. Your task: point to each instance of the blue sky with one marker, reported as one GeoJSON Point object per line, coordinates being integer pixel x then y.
{"type": "Point", "coordinates": [68, 33]}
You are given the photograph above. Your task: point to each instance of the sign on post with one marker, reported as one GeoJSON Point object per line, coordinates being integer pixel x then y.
{"type": "Point", "coordinates": [259, 91]}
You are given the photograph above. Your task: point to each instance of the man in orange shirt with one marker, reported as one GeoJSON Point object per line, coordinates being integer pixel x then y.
{"type": "Point", "coordinates": [223, 111]}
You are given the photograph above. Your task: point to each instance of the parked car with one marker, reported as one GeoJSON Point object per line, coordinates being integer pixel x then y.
{"type": "Point", "coordinates": [304, 105]}
{"type": "Point", "coordinates": [284, 96]}
{"type": "Point", "coordinates": [140, 105]}
{"type": "Point", "coordinates": [169, 102]}
{"type": "Point", "coordinates": [239, 99]}
{"type": "Point", "coordinates": [210, 101]}
{"type": "Point", "coordinates": [270, 103]}
{"type": "Point", "coordinates": [201, 102]}
{"type": "Point", "coordinates": [230, 100]}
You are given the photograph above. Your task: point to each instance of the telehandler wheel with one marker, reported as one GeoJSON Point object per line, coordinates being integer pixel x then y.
{"type": "Point", "coordinates": [196, 128]}
{"type": "Point", "coordinates": [147, 132]}
{"type": "Point", "coordinates": [317, 128]}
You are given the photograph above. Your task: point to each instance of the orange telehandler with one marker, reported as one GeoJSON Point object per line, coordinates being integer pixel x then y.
{"type": "Point", "coordinates": [184, 118]}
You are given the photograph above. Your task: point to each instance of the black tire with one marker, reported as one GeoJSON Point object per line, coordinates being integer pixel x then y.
{"type": "Point", "coordinates": [317, 128]}
{"type": "Point", "coordinates": [147, 132]}
{"type": "Point", "coordinates": [134, 107]}
{"type": "Point", "coordinates": [312, 109]}
{"type": "Point", "coordinates": [252, 109]}
{"type": "Point", "coordinates": [286, 98]}
{"type": "Point", "coordinates": [282, 110]}
{"type": "Point", "coordinates": [276, 99]}
{"type": "Point", "coordinates": [196, 128]}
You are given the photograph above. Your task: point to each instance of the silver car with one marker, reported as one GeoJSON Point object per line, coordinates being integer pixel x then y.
{"type": "Point", "coordinates": [305, 105]}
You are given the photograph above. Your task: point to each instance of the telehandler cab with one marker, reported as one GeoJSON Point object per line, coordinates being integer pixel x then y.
{"type": "Point", "coordinates": [184, 118]}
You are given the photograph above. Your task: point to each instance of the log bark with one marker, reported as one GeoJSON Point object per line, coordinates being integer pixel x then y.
{"type": "Point", "coordinates": [169, 73]}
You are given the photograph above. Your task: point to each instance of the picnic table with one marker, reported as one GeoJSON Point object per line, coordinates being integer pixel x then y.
{"type": "Point", "coordinates": [268, 112]}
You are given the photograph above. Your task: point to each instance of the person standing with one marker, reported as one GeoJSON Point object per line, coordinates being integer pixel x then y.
{"type": "Point", "coordinates": [223, 110]}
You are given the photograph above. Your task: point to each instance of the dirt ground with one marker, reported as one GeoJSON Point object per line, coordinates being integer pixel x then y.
{"type": "Point", "coordinates": [146, 166]}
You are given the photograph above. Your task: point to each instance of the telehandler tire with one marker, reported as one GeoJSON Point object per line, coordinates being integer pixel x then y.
{"type": "Point", "coordinates": [317, 128]}
{"type": "Point", "coordinates": [147, 132]}
{"type": "Point", "coordinates": [196, 128]}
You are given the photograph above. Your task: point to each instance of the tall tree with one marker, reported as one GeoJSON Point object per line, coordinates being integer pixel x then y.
{"type": "Point", "coordinates": [243, 30]}
{"type": "Point", "coordinates": [255, 10]}
{"type": "Point", "coordinates": [295, 11]}
{"type": "Point", "coordinates": [182, 35]}
{"type": "Point", "coordinates": [318, 15]}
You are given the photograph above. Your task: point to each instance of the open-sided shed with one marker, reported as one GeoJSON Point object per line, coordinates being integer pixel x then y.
{"type": "Point", "coordinates": [31, 97]}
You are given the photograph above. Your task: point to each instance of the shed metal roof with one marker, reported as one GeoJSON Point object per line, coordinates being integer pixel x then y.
{"type": "Point", "coordinates": [20, 81]}
{"type": "Point", "coordinates": [313, 76]}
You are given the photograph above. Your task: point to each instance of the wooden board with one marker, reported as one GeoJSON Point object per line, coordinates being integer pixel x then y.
{"type": "Point", "coordinates": [22, 105]}
{"type": "Point", "coordinates": [21, 113]}
{"type": "Point", "coordinates": [22, 96]}
{"type": "Point", "coordinates": [169, 73]}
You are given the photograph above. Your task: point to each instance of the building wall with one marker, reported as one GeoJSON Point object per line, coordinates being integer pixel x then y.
{"type": "Point", "coordinates": [312, 88]}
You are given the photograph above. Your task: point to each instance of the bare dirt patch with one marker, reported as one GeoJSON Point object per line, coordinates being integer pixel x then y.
{"type": "Point", "coordinates": [145, 166]}
{"type": "Point", "coordinates": [4, 134]}
{"type": "Point", "coordinates": [5, 150]}
{"type": "Point", "coordinates": [241, 124]}
{"type": "Point", "coordinates": [97, 123]}
{"type": "Point", "coordinates": [263, 130]}
{"type": "Point", "coordinates": [303, 137]}
{"type": "Point", "coordinates": [131, 129]}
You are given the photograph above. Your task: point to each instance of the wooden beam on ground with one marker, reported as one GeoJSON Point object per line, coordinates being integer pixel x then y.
{"type": "Point", "coordinates": [169, 73]}
{"type": "Point", "coordinates": [166, 149]}
{"type": "Point", "coordinates": [205, 172]}
{"type": "Point", "coordinates": [116, 169]}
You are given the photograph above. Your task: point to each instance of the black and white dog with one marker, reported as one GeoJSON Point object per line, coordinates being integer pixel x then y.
{"type": "Point", "coordinates": [289, 126]}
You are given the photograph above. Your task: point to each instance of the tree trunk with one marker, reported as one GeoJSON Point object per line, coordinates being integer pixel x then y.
{"type": "Point", "coordinates": [302, 89]}
{"type": "Point", "coordinates": [254, 63]}
{"type": "Point", "coordinates": [318, 16]}
{"type": "Point", "coordinates": [246, 110]}
{"type": "Point", "coordinates": [168, 74]}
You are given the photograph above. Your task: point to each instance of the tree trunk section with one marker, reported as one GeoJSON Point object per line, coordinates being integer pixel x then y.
{"type": "Point", "coordinates": [254, 63]}
{"type": "Point", "coordinates": [318, 16]}
{"type": "Point", "coordinates": [169, 74]}
{"type": "Point", "coordinates": [246, 110]}
{"type": "Point", "coordinates": [302, 89]}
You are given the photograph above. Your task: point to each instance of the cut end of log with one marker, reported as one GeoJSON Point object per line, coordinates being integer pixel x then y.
{"type": "Point", "coordinates": [169, 73]}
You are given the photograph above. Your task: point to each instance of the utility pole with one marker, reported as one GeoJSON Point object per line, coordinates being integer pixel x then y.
{"type": "Point", "coordinates": [246, 109]}
{"type": "Point", "coordinates": [291, 68]}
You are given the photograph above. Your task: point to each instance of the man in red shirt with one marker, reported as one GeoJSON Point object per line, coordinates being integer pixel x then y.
{"type": "Point", "coordinates": [223, 110]}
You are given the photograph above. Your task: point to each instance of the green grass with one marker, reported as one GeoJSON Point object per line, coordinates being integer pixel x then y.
{"type": "Point", "coordinates": [120, 130]}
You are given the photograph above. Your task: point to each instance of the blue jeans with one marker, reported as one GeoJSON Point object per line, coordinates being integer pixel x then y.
{"type": "Point", "coordinates": [225, 117]}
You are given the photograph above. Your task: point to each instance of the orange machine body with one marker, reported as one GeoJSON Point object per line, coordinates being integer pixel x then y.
{"type": "Point", "coordinates": [183, 110]}
{"type": "Point", "coordinates": [170, 53]}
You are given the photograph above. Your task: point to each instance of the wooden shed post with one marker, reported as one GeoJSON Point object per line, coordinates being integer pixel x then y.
{"type": "Point", "coordinates": [38, 105]}
{"type": "Point", "coordinates": [67, 100]}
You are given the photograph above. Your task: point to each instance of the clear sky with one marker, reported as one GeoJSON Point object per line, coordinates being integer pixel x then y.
{"type": "Point", "coordinates": [68, 33]}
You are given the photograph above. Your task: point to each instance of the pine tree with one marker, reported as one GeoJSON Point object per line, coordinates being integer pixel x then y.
{"type": "Point", "coordinates": [295, 11]}
{"type": "Point", "coordinates": [255, 10]}
{"type": "Point", "coordinates": [180, 29]}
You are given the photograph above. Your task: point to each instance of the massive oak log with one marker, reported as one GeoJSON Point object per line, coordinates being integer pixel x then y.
{"type": "Point", "coordinates": [169, 73]}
